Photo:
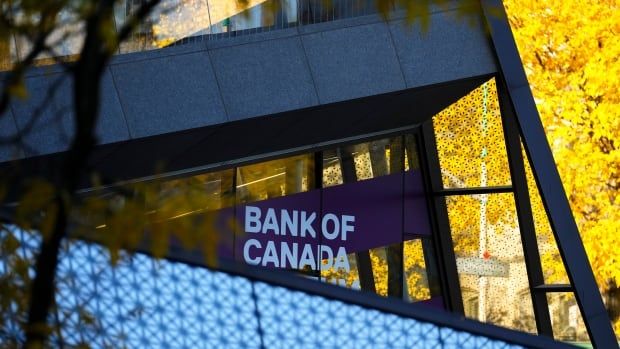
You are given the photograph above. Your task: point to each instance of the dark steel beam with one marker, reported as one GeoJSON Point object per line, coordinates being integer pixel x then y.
{"type": "Point", "coordinates": [523, 208]}
{"type": "Point", "coordinates": [441, 224]}
{"type": "Point", "coordinates": [547, 178]}
{"type": "Point", "coordinates": [395, 252]}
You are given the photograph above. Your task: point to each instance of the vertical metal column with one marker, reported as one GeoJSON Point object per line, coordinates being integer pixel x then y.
{"type": "Point", "coordinates": [379, 163]}
{"type": "Point", "coordinates": [434, 276]}
{"type": "Point", "coordinates": [395, 252]}
{"type": "Point", "coordinates": [524, 213]}
{"type": "Point", "coordinates": [364, 265]}
{"type": "Point", "coordinates": [441, 225]}
{"type": "Point", "coordinates": [547, 178]}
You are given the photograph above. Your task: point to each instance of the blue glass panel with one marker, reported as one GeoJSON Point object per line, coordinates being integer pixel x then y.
{"type": "Point", "coordinates": [296, 319]}
{"type": "Point", "coordinates": [146, 303]}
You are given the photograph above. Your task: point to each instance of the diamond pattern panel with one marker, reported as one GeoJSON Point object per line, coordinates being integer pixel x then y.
{"type": "Point", "coordinates": [142, 302]}
{"type": "Point", "coordinates": [296, 319]}
{"type": "Point", "coordinates": [146, 303]}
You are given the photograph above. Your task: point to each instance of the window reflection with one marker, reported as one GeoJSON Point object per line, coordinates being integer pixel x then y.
{"type": "Point", "coordinates": [405, 269]}
{"type": "Point", "coordinates": [345, 277]}
{"type": "Point", "coordinates": [566, 319]}
{"type": "Point", "coordinates": [399, 270]}
{"type": "Point", "coordinates": [142, 37]}
{"type": "Point", "coordinates": [170, 22]}
{"type": "Point", "coordinates": [368, 160]}
{"type": "Point", "coordinates": [490, 260]}
{"type": "Point", "coordinates": [196, 194]}
{"type": "Point", "coordinates": [175, 20]}
{"type": "Point", "coordinates": [409, 279]}
{"type": "Point", "coordinates": [163, 200]}
{"type": "Point", "coordinates": [418, 281]}
{"type": "Point", "coordinates": [271, 179]}
{"type": "Point", "coordinates": [178, 21]}
{"type": "Point", "coordinates": [65, 40]}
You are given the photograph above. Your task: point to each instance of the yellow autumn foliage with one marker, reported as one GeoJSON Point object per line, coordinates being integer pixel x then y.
{"type": "Point", "coordinates": [570, 50]}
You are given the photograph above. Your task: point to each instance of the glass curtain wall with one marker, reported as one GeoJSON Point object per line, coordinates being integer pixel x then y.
{"type": "Point", "coordinates": [170, 22]}
{"type": "Point", "coordinates": [485, 232]}
{"type": "Point", "coordinates": [487, 238]}
{"type": "Point", "coordinates": [179, 21]}
{"type": "Point", "coordinates": [397, 270]}
{"type": "Point", "coordinates": [396, 258]}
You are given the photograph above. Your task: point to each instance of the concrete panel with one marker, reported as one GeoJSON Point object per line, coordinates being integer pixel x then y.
{"type": "Point", "coordinates": [8, 150]}
{"type": "Point", "coordinates": [252, 38]}
{"type": "Point", "coordinates": [451, 49]}
{"type": "Point", "coordinates": [175, 50]}
{"type": "Point", "coordinates": [112, 125]}
{"type": "Point", "coordinates": [47, 116]}
{"type": "Point", "coordinates": [168, 94]}
{"type": "Point", "coordinates": [214, 82]}
{"type": "Point", "coordinates": [353, 62]}
{"type": "Point", "coordinates": [264, 78]}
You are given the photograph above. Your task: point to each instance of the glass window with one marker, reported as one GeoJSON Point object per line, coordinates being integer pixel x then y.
{"type": "Point", "coordinates": [367, 160]}
{"type": "Point", "coordinates": [405, 268]}
{"type": "Point", "coordinates": [196, 194]}
{"type": "Point", "coordinates": [180, 21]}
{"type": "Point", "coordinates": [345, 274]}
{"type": "Point", "coordinates": [566, 319]}
{"type": "Point", "coordinates": [470, 141]}
{"type": "Point", "coordinates": [399, 270]}
{"type": "Point", "coordinates": [553, 268]}
{"type": "Point", "coordinates": [490, 261]}
{"type": "Point", "coordinates": [420, 270]}
{"type": "Point", "coordinates": [272, 179]}
{"type": "Point", "coordinates": [175, 20]}
{"type": "Point", "coordinates": [362, 230]}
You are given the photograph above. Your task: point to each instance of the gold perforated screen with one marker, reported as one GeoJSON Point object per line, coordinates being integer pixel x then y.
{"type": "Point", "coordinates": [470, 141]}
{"type": "Point", "coordinates": [490, 261]}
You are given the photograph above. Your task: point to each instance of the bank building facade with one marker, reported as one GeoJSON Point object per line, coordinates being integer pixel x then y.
{"type": "Point", "coordinates": [370, 183]}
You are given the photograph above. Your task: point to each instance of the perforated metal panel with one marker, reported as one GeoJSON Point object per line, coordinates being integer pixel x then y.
{"type": "Point", "coordinates": [144, 303]}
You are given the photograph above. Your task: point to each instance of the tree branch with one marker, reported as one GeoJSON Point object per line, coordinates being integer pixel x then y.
{"type": "Point", "coordinates": [16, 75]}
{"type": "Point", "coordinates": [87, 73]}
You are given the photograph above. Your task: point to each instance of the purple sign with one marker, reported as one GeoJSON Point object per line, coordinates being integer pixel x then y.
{"type": "Point", "coordinates": [281, 233]}
{"type": "Point", "coordinates": [415, 209]}
{"type": "Point", "coordinates": [317, 229]}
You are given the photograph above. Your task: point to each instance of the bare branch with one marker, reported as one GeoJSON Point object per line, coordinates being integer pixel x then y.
{"type": "Point", "coordinates": [87, 73]}
{"type": "Point", "coordinates": [16, 75]}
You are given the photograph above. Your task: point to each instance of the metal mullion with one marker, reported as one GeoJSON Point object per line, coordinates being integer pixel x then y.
{"type": "Point", "coordinates": [474, 191]}
{"type": "Point", "coordinates": [446, 259]}
{"type": "Point", "coordinates": [429, 246]}
{"type": "Point", "coordinates": [523, 207]}
{"type": "Point", "coordinates": [395, 253]}
{"type": "Point", "coordinates": [318, 184]}
{"type": "Point", "coordinates": [554, 288]}
{"type": "Point", "coordinates": [379, 165]}
{"type": "Point", "coordinates": [430, 261]}
{"type": "Point", "coordinates": [364, 264]}
{"type": "Point", "coordinates": [318, 170]}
